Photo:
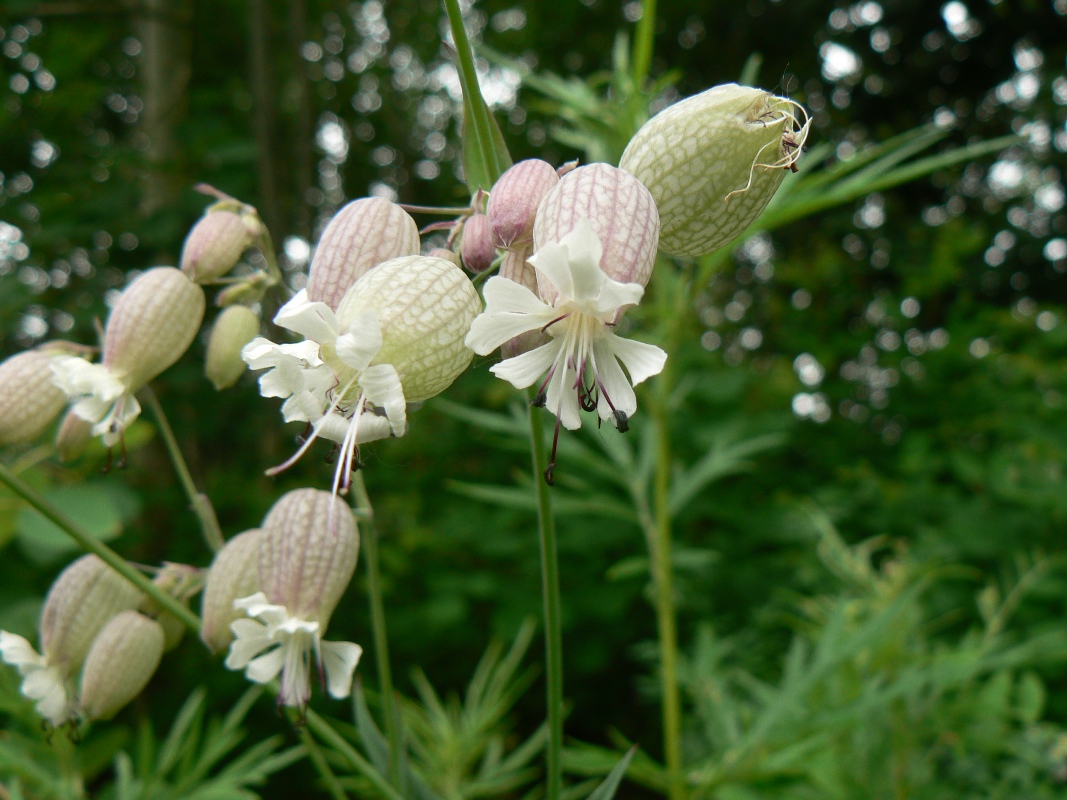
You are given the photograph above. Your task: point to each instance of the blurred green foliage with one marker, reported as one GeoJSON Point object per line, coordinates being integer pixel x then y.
{"type": "Point", "coordinates": [895, 363]}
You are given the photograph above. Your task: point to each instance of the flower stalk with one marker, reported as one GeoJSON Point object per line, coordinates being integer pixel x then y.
{"type": "Point", "coordinates": [552, 606]}
{"type": "Point", "coordinates": [93, 545]}
{"type": "Point", "coordinates": [365, 512]}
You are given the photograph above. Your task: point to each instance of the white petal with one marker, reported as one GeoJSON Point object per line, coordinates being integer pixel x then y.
{"type": "Point", "coordinates": [614, 385]}
{"type": "Point", "coordinates": [613, 296]}
{"type": "Point", "coordinates": [361, 340]}
{"type": "Point", "coordinates": [511, 309]}
{"type": "Point", "coordinates": [562, 397]}
{"type": "Point", "coordinates": [372, 428]}
{"type": "Point", "coordinates": [119, 417]}
{"type": "Point", "coordinates": [333, 426]}
{"type": "Point", "coordinates": [77, 378]}
{"type": "Point", "coordinates": [339, 660]}
{"type": "Point", "coordinates": [266, 668]}
{"type": "Point", "coordinates": [48, 688]}
{"type": "Point", "coordinates": [381, 386]}
{"type": "Point", "coordinates": [250, 639]}
{"type": "Point", "coordinates": [641, 360]}
{"type": "Point", "coordinates": [312, 320]}
{"type": "Point", "coordinates": [553, 261]}
{"type": "Point", "coordinates": [524, 369]}
{"type": "Point", "coordinates": [584, 252]}
{"type": "Point", "coordinates": [19, 653]}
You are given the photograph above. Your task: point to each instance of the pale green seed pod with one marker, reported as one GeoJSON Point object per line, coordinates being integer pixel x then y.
{"type": "Point", "coordinates": [713, 162]}
{"type": "Point", "coordinates": [123, 658]}
{"type": "Point", "coordinates": [152, 325]}
{"type": "Point", "coordinates": [478, 250]}
{"type": "Point", "coordinates": [308, 553]}
{"type": "Point", "coordinates": [514, 200]}
{"type": "Point", "coordinates": [234, 573]}
{"type": "Point", "coordinates": [85, 596]}
{"type": "Point", "coordinates": [361, 235]}
{"type": "Point", "coordinates": [235, 327]}
{"type": "Point", "coordinates": [621, 211]}
{"type": "Point", "coordinates": [425, 307]}
{"type": "Point", "coordinates": [216, 242]}
{"type": "Point", "coordinates": [73, 436]}
{"type": "Point", "coordinates": [29, 401]}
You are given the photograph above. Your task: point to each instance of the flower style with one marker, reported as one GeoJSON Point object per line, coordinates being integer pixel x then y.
{"type": "Point", "coordinates": [581, 363]}
{"type": "Point", "coordinates": [273, 642]}
{"type": "Point", "coordinates": [396, 337]}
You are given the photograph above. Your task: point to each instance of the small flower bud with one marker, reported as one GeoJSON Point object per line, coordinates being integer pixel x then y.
{"type": "Point", "coordinates": [713, 162]}
{"type": "Point", "coordinates": [152, 325]}
{"type": "Point", "coordinates": [308, 553]}
{"type": "Point", "coordinates": [29, 401]}
{"type": "Point", "coordinates": [447, 255]}
{"type": "Point", "coordinates": [235, 327]}
{"type": "Point", "coordinates": [216, 242]}
{"type": "Point", "coordinates": [123, 658]}
{"type": "Point", "coordinates": [478, 250]}
{"type": "Point", "coordinates": [514, 199]}
{"type": "Point", "coordinates": [73, 436]}
{"type": "Point", "coordinates": [361, 235]}
{"type": "Point", "coordinates": [621, 211]}
{"type": "Point", "coordinates": [234, 573]}
{"type": "Point", "coordinates": [85, 596]}
{"type": "Point", "coordinates": [425, 307]}
{"type": "Point", "coordinates": [516, 268]}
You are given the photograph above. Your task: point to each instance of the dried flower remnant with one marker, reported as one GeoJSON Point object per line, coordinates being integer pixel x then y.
{"type": "Point", "coordinates": [713, 161]}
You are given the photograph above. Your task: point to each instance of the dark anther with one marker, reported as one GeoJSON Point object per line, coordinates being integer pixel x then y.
{"type": "Point", "coordinates": [794, 168]}
{"type": "Point", "coordinates": [331, 457]}
{"type": "Point", "coordinates": [539, 400]}
{"type": "Point", "coordinates": [548, 475]}
{"type": "Point", "coordinates": [622, 422]}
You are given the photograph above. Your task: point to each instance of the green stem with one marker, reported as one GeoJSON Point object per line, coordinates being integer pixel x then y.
{"type": "Point", "coordinates": [328, 735]}
{"type": "Point", "coordinates": [200, 503]}
{"type": "Point", "coordinates": [333, 786]}
{"type": "Point", "coordinates": [377, 614]}
{"type": "Point", "coordinates": [643, 42]}
{"type": "Point", "coordinates": [550, 593]}
{"type": "Point", "coordinates": [665, 611]}
{"type": "Point", "coordinates": [91, 544]}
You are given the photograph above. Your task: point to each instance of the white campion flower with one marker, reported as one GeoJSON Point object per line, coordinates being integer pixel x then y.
{"type": "Point", "coordinates": [395, 338]}
{"type": "Point", "coordinates": [150, 327]}
{"type": "Point", "coordinates": [581, 362]}
{"type": "Point", "coordinates": [307, 552]}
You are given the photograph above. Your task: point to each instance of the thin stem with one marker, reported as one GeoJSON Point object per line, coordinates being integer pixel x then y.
{"type": "Point", "coordinates": [642, 52]}
{"type": "Point", "coordinates": [446, 211]}
{"type": "Point", "coordinates": [328, 735]}
{"type": "Point", "coordinates": [333, 786]}
{"type": "Point", "coordinates": [91, 544]}
{"type": "Point", "coordinates": [550, 593]}
{"type": "Point", "coordinates": [200, 503]}
{"type": "Point", "coordinates": [377, 614]}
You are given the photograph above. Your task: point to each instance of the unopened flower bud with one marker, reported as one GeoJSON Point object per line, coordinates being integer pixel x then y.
{"type": "Point", "coordinates": [425, 307]}
{"type": "Point", "coordinates": [447, 255]}
{"type": "Point", "coordinates": [29, 400]}
{"type": "Point", "coordinates": [478, 250]}
{"type": "Point", "coordinates": [621, 212]}
{"type": "Point", "coordinates": [73, 436]}
{"type": "Point", "coordinates": [234, 573]}
{"type": "Point", "coordinates": [152, 325]}
{"type": "Point", "coordinates": [308, 553]}
{"type": "Point", "coordinates": [515, 267]}
{"type": "Point", "coordinates": [514, 199]}
{"type": "Point", "coordinates": [84, 598]}
{"type": "Point", "coordinates": [361, 235]}
{"type": "Point", "coordinates": [123, 658]}
{"type": "Point", "coordinates": [713, 162]}
{"type": "Point", "coordinates": [216, 242]}
{"type": "Point", "coordinates": [235, 327]}
{"type": "Point", "coordinates": [181, 582]}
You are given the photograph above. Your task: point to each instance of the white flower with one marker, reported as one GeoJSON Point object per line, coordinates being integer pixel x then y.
{"type": "Point", "coordinates": [101, 396]}
{"type": "Point", "coordinates": [346, 399]}
{"type": "Point", "coordinates": [581, 363]}
{"type": "Point", "coordinates": [280, 644]}
{"type": "Point", "coordinates": [42, 682]}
